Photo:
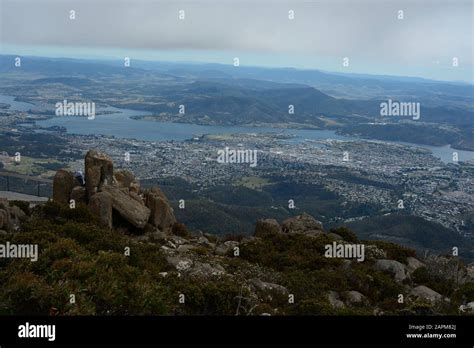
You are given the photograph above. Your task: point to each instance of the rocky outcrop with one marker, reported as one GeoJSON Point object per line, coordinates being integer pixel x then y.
{"type": "Point", "coordinates": [78, 194]}
{"type": "Point", "coordinates": [161, 213]}
{"type": "Point", "coordinates": [101, 205]}
{"type": "Point", "coordinates": [123, 178]}
{"type": "Point", "coordinates": [303, 224]}
{"type": "Point", "coordinates": [134, 212]}
{"type": "Point", "coordinates": [63, 183]}
{"type": "Point", "coordinates": [117, 191]}
{"type": "Point", "coordinates": [99, 171]}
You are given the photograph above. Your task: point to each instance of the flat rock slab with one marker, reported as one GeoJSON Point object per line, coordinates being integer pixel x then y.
{"type": "Point", "coordinates": [131, 210]}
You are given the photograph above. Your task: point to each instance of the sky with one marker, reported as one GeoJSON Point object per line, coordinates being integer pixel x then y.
{"type": "Point", "coordinates": [371, 34]}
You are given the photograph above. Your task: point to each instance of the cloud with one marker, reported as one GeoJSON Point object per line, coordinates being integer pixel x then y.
{"type": "Point", "coordinates": [363, 30]}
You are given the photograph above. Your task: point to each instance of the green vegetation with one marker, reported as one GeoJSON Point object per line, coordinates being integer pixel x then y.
{"type": "Point", "coordinates": [79, 258]}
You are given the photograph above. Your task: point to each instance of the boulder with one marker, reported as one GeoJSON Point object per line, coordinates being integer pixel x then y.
{"type": "Point", "coordinates": [135, 213]}
{"type": "Point", "coordinates": [354, 297]}
{"type": "Point", "coordinates": [470, 271]}
{"type": "Point", "coordinates": [225, 248]}
{"type": "Point", "coordinates": [468, 307]}
{"type": "Point", "coordinates": [99, 170]}
{"type": "Point", "coordinates": [262, 286]}
{"type": "Point", "coordinates": [304, 224]}
{"type": "Point", "coordinates": [413, 264]}
{"type": "Point", "coordinates": [426, 293]}
{"type": "Point", "coordinates": [78, 194]}
{"type": "Point", "coordinates": [161, 215]}
{"type": "Point", "coordinates": [4, 219]}
{"type": "Point", "coordinates": [16, 216]}
{"type": "Point", "coordinates": [63, 183]}
{"type": "Point", "coordinates": [334, 300]}
{"type": "Point", "coordinates": [267, 227]}
{"type": "Point", "coordinates": [135, 196]}
{"type": "Point", "coordinates": [101, 205]}
{"type": "Point", "coordinates": [123, 178]}
{"type": "Point", "coordinates": [396, 268]}
{"type": "Point", "coordinates": [184, 248]}
{"type": "Point", "coordinates": [203, 241]}
{"type": "Point", "coordinates": [206, 270]}
{"type": "Point", "coordinates": [134, 187]}
{"type": "Point", "coordinates": [181, 264]}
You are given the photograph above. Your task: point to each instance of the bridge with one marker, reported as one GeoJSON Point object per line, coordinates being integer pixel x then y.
{"type": "Point", "coordinates": [37, 183]}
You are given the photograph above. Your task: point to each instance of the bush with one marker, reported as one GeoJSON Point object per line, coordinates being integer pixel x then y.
{"type": "Point", "coordinates": [346, 234]}
{"type": "Point", "coordinates": [282, 252]}
{"type": "Point", "coordinates": [23, 205]}
{"type": "Point", "coordinates": [422, 276]}
{"type": "Point", "coordinates": [395, 251]}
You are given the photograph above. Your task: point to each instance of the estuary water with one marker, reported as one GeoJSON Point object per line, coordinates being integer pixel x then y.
{"type": "Point", "coordinates": [119, 123]}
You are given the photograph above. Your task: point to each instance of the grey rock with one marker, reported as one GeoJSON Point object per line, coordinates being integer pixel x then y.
{"type": "Point", "coordinates": [304, 224]}
{"type": "Point", "coordinates": [123, 178]}
{"type": "Point", "coordinates": [426, 293]}
{"type": "Point", "coordinates": [100, 205]}
{"type": "Point", "coordinates": [184, 248]}
{"type": "Point", "coordinates": [181, 264]}
{"type": "Point", "coordinates": [354, 297]}
{"type": "Point", "coordinates": [334, 300]}
{"type": "Point", "coordinates": [225, 248]}
{"type": "Point", "coordinates": [135, 213]}
{"type": "Point", "coordinates": [161, 215]}
{"type": "Point", "coordinates": [260, 285]}
{"type": "Point", "coordinates": [470, 271]}
{"type": "Point", "coordinates": [78, 194]}
{"type": "Point", "coordinates": [206, 270]}
{"type": "Point", "coordinates": [413, 264]}
{"type": "Point", "coordinates": [99, 170]}
{"type": "Point", "coordinates": [4, 219]}
{"type": "Point", "coordinates": [396, 268]}
{"type": "Point", "coordinates": [63, 183]}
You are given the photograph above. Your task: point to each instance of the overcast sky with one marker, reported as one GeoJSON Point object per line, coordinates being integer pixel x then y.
{"type": "Point", "coordinates": [321, 34]}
